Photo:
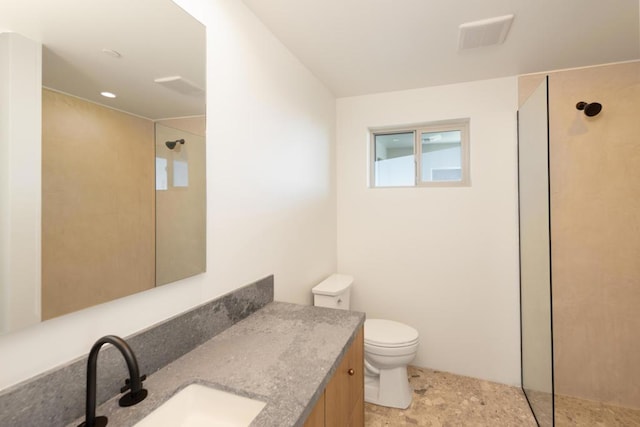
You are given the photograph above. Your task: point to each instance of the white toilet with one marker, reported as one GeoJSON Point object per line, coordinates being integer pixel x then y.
{"type": "Point", "coordinates": [388, 347]}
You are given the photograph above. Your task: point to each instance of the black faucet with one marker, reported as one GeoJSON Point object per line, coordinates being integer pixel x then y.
{"type": "Point", "coordinates": [134, 383]}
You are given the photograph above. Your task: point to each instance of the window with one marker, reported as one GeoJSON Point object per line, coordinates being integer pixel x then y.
{"type": "Point", "coordinates": [162, 182]}
{"type": "Point", "coordinates": [431, 155]}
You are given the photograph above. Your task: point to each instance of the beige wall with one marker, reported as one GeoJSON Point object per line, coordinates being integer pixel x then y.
{"type": "Point", "coordinates": [97, 204]}
{"type": "Point", "coordinates": [196, 125]}
{"type": "Point", "coordinates": [595, 212]}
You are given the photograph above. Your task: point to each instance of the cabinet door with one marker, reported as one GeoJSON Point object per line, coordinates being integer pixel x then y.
{"type": "Point", "coordinates": [344, 395]}
{"type": "Point", "coordinates": [316, 417]}
{"type": "Point", "coordinates": [357, 415]}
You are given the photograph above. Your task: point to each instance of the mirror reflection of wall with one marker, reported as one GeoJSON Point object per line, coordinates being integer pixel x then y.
{"type": "Point", "coordinates": [180, 199]}
{"type": "Point", "coordinates": [97, 204]}
{"type": "Point", "coordinates": [101, 215]}
{"type": "Point", "coordinates": [105, 232]}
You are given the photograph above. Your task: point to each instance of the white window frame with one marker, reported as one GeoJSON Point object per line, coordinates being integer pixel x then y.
{"type": "Point", "coordinates": [461, 125]}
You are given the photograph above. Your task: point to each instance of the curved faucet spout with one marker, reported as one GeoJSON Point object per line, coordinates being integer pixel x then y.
{"type": "Point", "coordinates": [137, 393]}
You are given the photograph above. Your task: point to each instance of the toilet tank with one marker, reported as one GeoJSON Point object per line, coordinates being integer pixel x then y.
{"type": "Point", "coordinates": [333, 292]}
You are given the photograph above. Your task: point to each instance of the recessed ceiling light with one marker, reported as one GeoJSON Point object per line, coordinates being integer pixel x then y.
{"type": "Point", "coordinates": [111, 52]}
{"type": "Point", "coordinates": [108, 94]}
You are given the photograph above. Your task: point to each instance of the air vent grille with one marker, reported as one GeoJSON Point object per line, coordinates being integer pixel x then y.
{"type": "Point", "coordinates": [486, 32]}
{"type": "Point", "coordinates": [180, 84]}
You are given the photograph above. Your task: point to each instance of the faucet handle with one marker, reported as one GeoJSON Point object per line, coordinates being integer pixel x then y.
{"type": "Point", "coordinates": [132, 397]}
{"type": "Point", "coordinates": [127, 383]}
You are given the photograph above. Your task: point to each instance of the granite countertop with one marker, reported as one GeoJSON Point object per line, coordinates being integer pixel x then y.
{"type": "Point", "coordinates": [283, 354]}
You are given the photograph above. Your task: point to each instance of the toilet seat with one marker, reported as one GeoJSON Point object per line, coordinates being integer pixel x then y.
{"type": "Point", "coordinates": [389, 334]}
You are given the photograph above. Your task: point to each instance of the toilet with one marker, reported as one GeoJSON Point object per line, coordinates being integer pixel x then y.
{"type": "Point", "coordinates": [389, 347]}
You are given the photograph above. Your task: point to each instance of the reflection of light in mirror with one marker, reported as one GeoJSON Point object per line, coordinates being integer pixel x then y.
{"type": "Point", "coordinates": [180, 173]}
{"type": "Point", "coordinates": [161, 174]}
{"type": "Point", "coordinates": [112, 53]}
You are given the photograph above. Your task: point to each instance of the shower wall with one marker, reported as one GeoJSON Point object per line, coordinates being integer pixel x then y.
{"type": "Point", "coordinates": [181, 206]}
{"type": "Point", "coordinates": [595, 231]}
{"type": "Point", "coordinates": [97, 204]}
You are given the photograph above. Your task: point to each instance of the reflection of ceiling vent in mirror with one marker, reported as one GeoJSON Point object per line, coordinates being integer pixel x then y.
{"type": "Point", "coordinates": [180, 84]}
{"type": "Point", "coordinates": [486, 32]}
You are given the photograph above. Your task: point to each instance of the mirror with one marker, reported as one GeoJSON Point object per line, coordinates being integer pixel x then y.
{"type": "Point", "coordinates": [108, 228]}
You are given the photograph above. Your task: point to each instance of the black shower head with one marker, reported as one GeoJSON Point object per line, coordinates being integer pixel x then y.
{"type": "Point", "coordinates": [172, 144]}
{"type": "Point", "coordinates": [589, 109]}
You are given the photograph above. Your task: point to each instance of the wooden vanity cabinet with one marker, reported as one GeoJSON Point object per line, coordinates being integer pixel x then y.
{"type": "Point", "coordinates": [316, 417]}
{"type": "Point", "coordinates": [342, 404]}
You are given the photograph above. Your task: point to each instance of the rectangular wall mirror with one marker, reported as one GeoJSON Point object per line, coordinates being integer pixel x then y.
{"type": "Point", "coordinates": [123, 148]}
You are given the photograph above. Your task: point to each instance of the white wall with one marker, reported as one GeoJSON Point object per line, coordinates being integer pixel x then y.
{"type": "Point", "coordinates": [20, 181]}
{"type": "Point", "coordinates": [444, 260]}
{"type": "Point", "coordinates": [270, 193]}
{"type": "Point", "coordinates": [273, 172]}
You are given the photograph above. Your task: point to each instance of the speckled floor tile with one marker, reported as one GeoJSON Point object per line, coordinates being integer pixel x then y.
{"type": "Point", "coordinates": [443, 399]}
{"type": "Point", "coordinates": [571, 411]}
{"type": "Point", "coordinates": [542, 404]}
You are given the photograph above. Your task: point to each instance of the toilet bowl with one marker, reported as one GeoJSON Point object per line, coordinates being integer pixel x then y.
{"type": "Point", "coordinates": [389, 347]}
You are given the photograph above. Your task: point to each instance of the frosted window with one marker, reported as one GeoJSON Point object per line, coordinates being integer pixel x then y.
{"type": "Point", "coordinates": [429, 155]}
{"type": "Point", "coordinates": [180, 173]}
{"type": "Point", "coordinates": [441, 156]}
{"type": "Point", "coordinates": [394, 155]}
{"type": "Point", "coordinates": [161, 174]}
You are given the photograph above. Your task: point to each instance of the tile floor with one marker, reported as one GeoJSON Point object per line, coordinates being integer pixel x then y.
{"type": "Point", "coordinates": [443, 399]}
{"type": "Point", "coordinates": [572, 412]}
{"type": "Point", "coordinates": [578, 412]}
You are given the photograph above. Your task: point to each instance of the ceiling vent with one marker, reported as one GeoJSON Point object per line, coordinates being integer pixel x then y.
{"type": "Point", "coordinates": [486, 32]}
{"type": "Point", "coordinates": [180, 84]}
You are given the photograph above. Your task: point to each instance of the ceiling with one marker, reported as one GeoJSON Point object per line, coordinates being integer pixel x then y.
{"type": "Point", "coordinates": [367, 46]}
{"type": "Point", "coordinates": [155, 38]}
{"type": "Point", "coordinates": [354, 46]}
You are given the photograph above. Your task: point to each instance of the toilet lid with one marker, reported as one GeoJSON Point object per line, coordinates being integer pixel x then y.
{"type": "Point", "coordinates": [387, 333]}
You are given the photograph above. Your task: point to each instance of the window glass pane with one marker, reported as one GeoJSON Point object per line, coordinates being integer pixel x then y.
{"type": "Point", "coordinates": [161, 174]}
{"type": "Point", "coordinates": [394, 163]}
{"type": "Point", "coordinates": [441, 156]}
{"type": "Point", "coordinates": [180, 173]}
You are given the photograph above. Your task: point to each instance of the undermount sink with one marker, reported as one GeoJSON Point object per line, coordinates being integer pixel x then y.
{"type": "Point", "coordinates": [199, 406]}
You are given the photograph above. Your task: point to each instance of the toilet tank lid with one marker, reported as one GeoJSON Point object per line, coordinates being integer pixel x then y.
{"type": "Point", "coordinates": [333, 285]}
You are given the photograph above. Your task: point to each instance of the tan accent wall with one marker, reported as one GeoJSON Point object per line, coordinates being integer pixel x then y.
{"type": "Point", "coordinates": [194, 125]}
{"type": "Point", "coordinates": [97, 204]}
{"type": "Point", "coordinates": [595, 232]}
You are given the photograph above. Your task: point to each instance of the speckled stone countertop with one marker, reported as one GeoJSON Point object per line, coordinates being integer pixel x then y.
{"type": "Point", "coordinates": [283, 354]}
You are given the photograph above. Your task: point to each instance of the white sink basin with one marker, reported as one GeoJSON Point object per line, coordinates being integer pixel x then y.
{"type": "Point", "coordinates": [200, 406]}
